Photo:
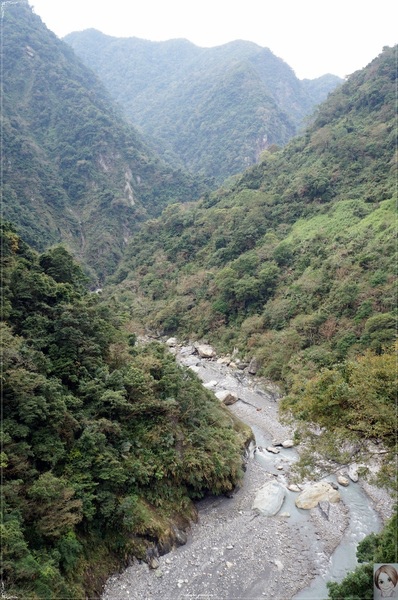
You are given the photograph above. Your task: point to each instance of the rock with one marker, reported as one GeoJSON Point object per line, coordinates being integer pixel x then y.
{"type": "Point", "coordinates": [353, 472]}
{"type": "Point", "coordinates": [276, 442]}
{"type": "Point", "coordinates": [344, 481]}
{"type": "Point", "coordinates": [241, 365]}
{"type": "Point", "coordinates": [272, 450]}
{"type": "Point", "coordinates": [205, 350]}
{"type": "Point", "coordinates": [279, 565]}
{"type": "Point", "coordinates": [226, 397]}
{"type": "Point", "coordinates": [187, 350]}
{"type": "Point", "coordinates": [224, 360]}
{"type": "Point", "coordinates": [288, 444]}
{"type": "Point", "coordinates": [153, 563]}
{"type": "Point", "coordinates": [180, 536]}
{"type": "Point", "coordinates": [293, 487]}
{"type": "Point", "coordinates": [171, 342]}
{"type": "Point", "coordinates": [318, 492]}
{"type": "Point", "coordinates": [253, 366]}
{"type": "Point", "coordinates": [189, 361]}
{"type": "Point", "coordinates": [269, 499]}
{"type": "Point", "coordinates": [284, 514]}
{"type": "Point", "coordinates": [210, 384]}
{"type": "Point", "coordinates": [194, 368]}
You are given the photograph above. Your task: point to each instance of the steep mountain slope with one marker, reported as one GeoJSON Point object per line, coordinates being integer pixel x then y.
{"type": "Point", "coordinates": [73, 169]}
{"type": "Point", "coordinates": [296, 264]}
{"type": "Point", "coordinates": [104, 444]}
{"type": "Point", "coordinates": [296, 267]}
{"type": "Point", "coordinates": [215, 109]}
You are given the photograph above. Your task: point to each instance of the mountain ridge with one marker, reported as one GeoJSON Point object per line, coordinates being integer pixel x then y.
{"type": "Point", "coordinates": [212, 109]}
{"type": "Point", "coordinates": [73, 169]}
{"type": "Point", "coordinates": [241, 261]}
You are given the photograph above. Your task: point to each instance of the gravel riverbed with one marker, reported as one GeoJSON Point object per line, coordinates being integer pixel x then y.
{"type": "Point", "coordinates": [233, 553]}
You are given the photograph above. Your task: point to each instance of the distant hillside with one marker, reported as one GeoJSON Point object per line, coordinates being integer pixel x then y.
{"type": "Point", "coordinates": [73, 169]}
{"type": "Point", "coordinates": [213, 109]}
{"type": "Point", "coordinates": [295, 264]}
{"type": "Point", "coordinates": [295, 267]}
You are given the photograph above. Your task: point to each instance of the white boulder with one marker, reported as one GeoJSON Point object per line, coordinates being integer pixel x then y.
{"type": "Point", "coordinates": [269, 499]}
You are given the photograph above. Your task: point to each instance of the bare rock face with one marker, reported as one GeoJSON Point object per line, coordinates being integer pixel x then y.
{"type": "Point", "coordinates": [315, 493]}
{"type": "Point", "coordinates": [269, 499]}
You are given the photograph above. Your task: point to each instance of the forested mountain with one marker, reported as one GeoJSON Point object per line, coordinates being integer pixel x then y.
{"type": "Point", "coordinates": [104, 444]}
{"type": "Point", "coordinates": [296, 264]}
{"type": "Point", "coordinates": [212, 109]}
{"type": "Point", "coordinates": [73, 170]}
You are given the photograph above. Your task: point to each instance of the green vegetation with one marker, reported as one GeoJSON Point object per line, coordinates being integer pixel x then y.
{"type": "Point", "coordinates": [73, 170]}
{"type": "Point", "coordinates": [104, 444]}
{"type": "Point", "coordinates": [212, 110]}
{"type": "Point", "coordinates": [352, 403]}
{"type": "Point", "coordinates": [295, 264]}
{"type": "Point", "coordinates": [375, 548]}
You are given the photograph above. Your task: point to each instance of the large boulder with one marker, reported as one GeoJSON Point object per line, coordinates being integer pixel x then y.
{"type": "Point", "coordinates": [205, 351]}
{"type": "Point", "coordinates": [269, 499]}
{"type": "Point", "coordinates": [344, 481]}
{"type": "Point", "coordinates": [226, 397]}
{"type": "Point", "coordinates": [353, 472]}
{"type": "Point", "coordinates": [315, 493]}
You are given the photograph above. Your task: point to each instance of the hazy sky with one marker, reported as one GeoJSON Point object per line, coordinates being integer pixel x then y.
{"type": "Point", "coordinates": [313, 36]}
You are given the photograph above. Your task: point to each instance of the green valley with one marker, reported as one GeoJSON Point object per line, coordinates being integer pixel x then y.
{"type": "Point", "coordinates": [295, 265]}
{"type": "Point", "coordinates": [107, 442]}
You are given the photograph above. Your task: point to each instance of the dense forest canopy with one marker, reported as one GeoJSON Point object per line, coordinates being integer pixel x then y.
{"type": "Point", "coordinates": [296, 263]}
{"type": "Point", "coordinates": [107, 442]}
{"type": "Point", "coordinates": [73, 170]}
{"type": "Point", "coordinates": [212, 110]}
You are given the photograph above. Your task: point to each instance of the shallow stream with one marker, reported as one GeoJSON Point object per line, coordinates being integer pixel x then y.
{"type": "Point", "coordinates": [363, 519]}
{"type": "Point", "coordinates": [231, 554]}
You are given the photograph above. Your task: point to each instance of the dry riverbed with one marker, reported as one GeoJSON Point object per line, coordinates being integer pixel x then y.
{"type": "Point", "coordinates": [233, 553]}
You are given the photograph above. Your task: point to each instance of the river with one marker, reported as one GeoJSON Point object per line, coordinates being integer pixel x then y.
{"type": "Point", "coordinates": [234, 554]}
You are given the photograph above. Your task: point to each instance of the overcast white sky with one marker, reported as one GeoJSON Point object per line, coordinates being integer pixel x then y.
{"type": "Point", "coordinates": [314, 37]}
